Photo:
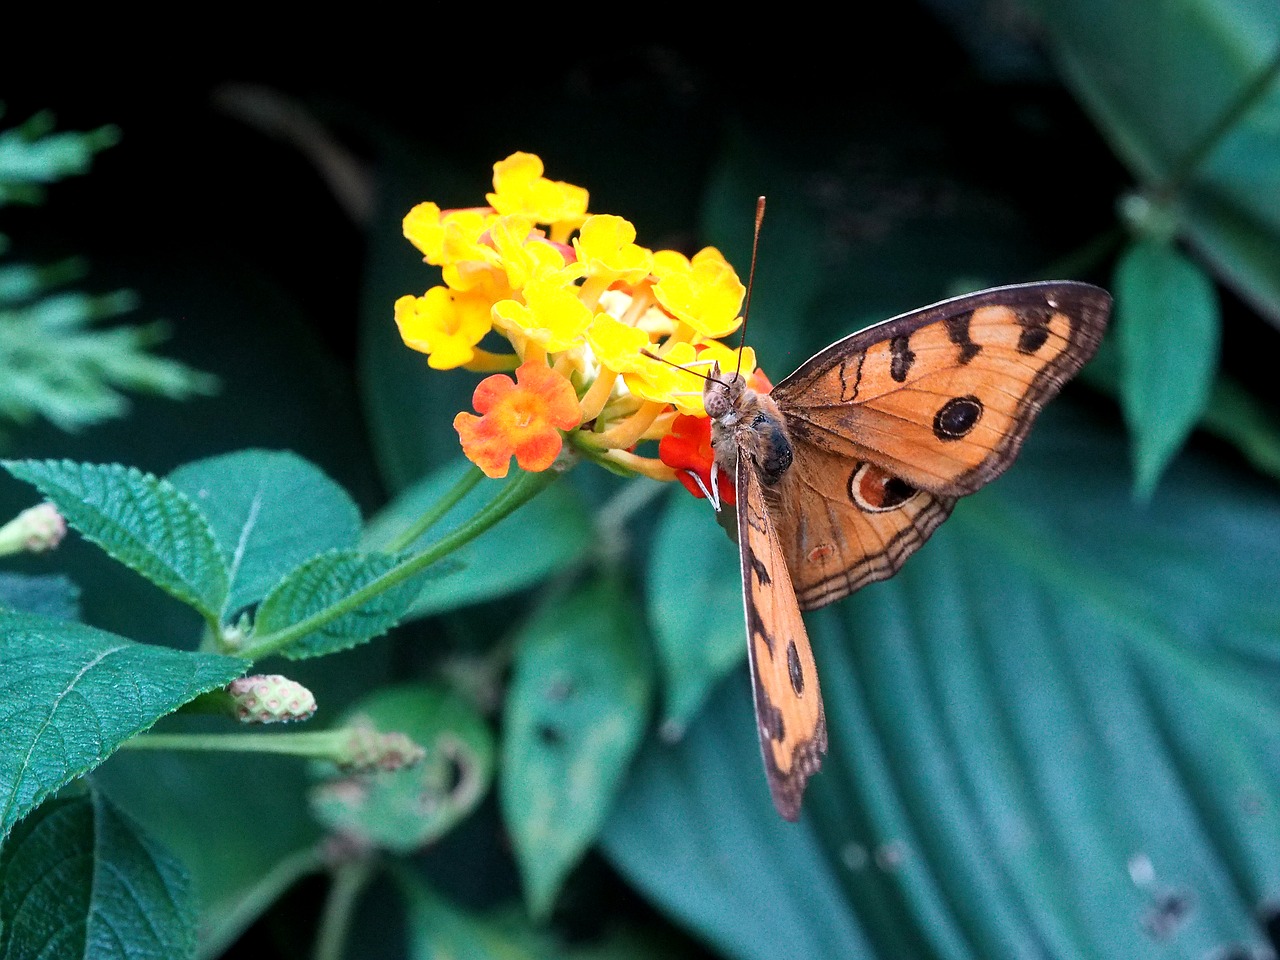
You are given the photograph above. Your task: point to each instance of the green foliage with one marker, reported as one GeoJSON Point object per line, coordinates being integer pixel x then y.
{"type": "Point", "coordinates": [1192, 113]}
{"type": "Point", "coordinates": [1168, 325]}
{"type": "Point", "coordinates": [496, 563]}
{"type": "Point", "coordinates": [70, 695]}
{"type": "Point", "coordinates": [574, 716]}
{"type": "Point", "coordinates": [269, 512]}
{"type": "Point", "coordinates": [144, 522]}
{"type": "Point", "coordinates": [53, 362]}
{"type": "Point", "coordinates": [325, 581]}
{"type": "Point", "coordinates": [698, 627]}
{"type": "Point", "coordinates": [32, 156]}
{"type": "Point", "coordinates": [404, 810]}
{"type": "Point", "coordinates": [115, 893]}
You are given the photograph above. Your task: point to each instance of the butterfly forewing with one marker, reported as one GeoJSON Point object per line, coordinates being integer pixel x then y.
{"type": "Point", "coordinates": [789, 715]}
{"type": "Point", "coordinates": [942, 398]}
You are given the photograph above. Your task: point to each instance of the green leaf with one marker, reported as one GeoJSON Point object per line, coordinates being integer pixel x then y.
{"type": "Point", "coordinates": [324, 582]}
{"type": "Point", "coordinates": [574, 715]}
{"type": "Point", "coordinates": [79, 879]}
{"type": "Point", "coordinates": [70, 695]}
{"type": "Point", "coordinates": [697, 621]}
{"type": "Point", "coordinates": [144, 522]}
{"type": "Point", "coordinates": [1169, 326]}
{"type": "Point", "coordinates": [1158, 79]}
{"type": "Point", "coordinates": [1059, 718]}
{"type": "Point", "coordinates": [269, 511]}
{"type": "Point", "coordinates": [404, 810]}
{"type": "Point", "coordinates": [50, 595]}
{"type": "Point", "coordinates": [547, 535]}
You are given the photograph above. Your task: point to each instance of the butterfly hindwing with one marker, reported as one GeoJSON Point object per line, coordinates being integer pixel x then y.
{"type": "Point", "coordinates": [784, 676]}
{"type": "Point", "coordinates": [942, 398]}
{"type": "Point", "coordinates": [843, 524]}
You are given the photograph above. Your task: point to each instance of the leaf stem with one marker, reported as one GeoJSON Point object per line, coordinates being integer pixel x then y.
{"type": "Point", "coordinates": [518, 491]}
{"type": "Point", "coordinates": [349, 880]}
{"type": "Point", "coordinates": [466, 483]}
{"type": "Point", "coordinates": [333, 745]}
{"type": "Point", "coordinates": [1172, 185]}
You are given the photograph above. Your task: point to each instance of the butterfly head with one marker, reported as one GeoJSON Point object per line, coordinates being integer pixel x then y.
{"type": "Point", "coordinates": [723, 394]}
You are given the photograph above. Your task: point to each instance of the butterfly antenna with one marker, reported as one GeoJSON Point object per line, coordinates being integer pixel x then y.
{"type": "Point", "coordinates": [751, 281]}
{"type": "Point", "coordinates": [653, 356]}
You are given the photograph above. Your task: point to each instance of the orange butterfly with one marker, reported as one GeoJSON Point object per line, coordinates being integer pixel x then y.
{"type": "Point", "coordinates": [853, 460]}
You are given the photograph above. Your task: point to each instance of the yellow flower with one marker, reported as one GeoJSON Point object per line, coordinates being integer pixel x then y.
{"type": "Point", "coordinates": [525, 254]}
{"type": "Point", "coordinates": [443, 324]}
{"type": "Point", "coordinates": [705, 292]}
{"type": "Point", "coordinates": [446, 236]}
{"type": "Point", "coordinates": [520, 188]}
{"type": "Point", "coordinates": [551, 315]}
{"type": "Point", "coordinates": [606, 245]}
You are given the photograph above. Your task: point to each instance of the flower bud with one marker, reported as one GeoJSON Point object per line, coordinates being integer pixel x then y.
{"type": "Point", "coordinates": [37, 529]}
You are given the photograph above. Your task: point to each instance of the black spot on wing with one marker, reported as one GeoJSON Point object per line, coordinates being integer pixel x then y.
{"type": "Point", "coordinates": [901, 358]}
{"type": "Point", "coordinates": [1035, 328]}
{"type": "Point", "coordinates": [794, 668]}
{"type": "Point", "coordinates": [958, 333]}
{"type": "Point", "coordinates": [957, 417]}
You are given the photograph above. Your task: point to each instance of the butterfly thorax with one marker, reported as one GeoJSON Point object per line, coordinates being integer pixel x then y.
{"type": "Point", "coordinates": [747, 421]}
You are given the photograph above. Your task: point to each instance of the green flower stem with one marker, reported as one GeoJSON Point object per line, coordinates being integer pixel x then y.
{"type": "Point", "coordinates": [1186, 167]}
{"type": "Point", "coordinates": [518, 491]}
{"type": "Point", "coordinates": [349, 880]}
{"type": "Point", "coordinates": [466, 483]}
{"type": "Point", "coordinates": [253, 903]}
{"type": "Point", "coordinates": [332, 745]}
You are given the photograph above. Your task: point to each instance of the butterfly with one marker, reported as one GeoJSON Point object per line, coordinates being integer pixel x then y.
{"type": "Point", "coordinates": [851, 462]}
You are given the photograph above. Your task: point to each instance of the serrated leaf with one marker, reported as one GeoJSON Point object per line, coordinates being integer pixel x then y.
{"type": "Point", "coordinates": [697, 621]}
{"type": "Point", "coordinates": [1058, 720]}
{"type": "Point", "coordinates": [78, 878]}
{"type": "Point", "coordinates": [1169, 326]}
{"type": "Point", "coordinates": [325, 581]}
{"type": "Point", "coordinates": [70, 695]}
{"type": "Point", "coordinates": [574, 715]}
{"type": "Point", "coordinates": [144, 522]}
{"type": "Point", "coordinates": [50, 595]}
{"type": "Point", "coordinates": [547, 535]}
{"type": "Point", "coordinates": [404, 810]}
{"type": "Point", "coordinates": [270, 511]}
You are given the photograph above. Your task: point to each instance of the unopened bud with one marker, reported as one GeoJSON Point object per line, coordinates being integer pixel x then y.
{"type": "Point", "coordinates": [35, 530]}
{"type": "Point", "coordinates": [270, 698]}
{"type": "Point", "coordinates": [369, 749]}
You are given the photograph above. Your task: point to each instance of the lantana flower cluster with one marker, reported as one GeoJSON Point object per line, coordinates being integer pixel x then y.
{"type": "Point", "coordinates": [536, 285]}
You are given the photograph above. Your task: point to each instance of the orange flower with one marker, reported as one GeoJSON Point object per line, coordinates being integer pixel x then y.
{"type": "Point", "coordinates": [521, 419]}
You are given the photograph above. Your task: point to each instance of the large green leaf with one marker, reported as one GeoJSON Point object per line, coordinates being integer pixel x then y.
{"type": "Point", "coordinates": [80, 879]}
{"type": "Point", "coordinates": [70, 695]}
{"type": "Point", "coordinates": [1157, 77]}
{"type": "Point", "coordinates": [574, 716]}
{"type": "Point", "coordinates": [697, 621]}
{"type": "Point", "coordinates": [270, 511]}
{"type": "Point", "coordinates": [545, 536]}
{"type": "Point", "coordinates": [144, 522]}
{"type": "Point", "coordinates": [1054, 733]}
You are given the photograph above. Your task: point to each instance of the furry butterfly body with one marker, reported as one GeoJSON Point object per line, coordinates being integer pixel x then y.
{"type": "Point", "coordinates": [851, 462]}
